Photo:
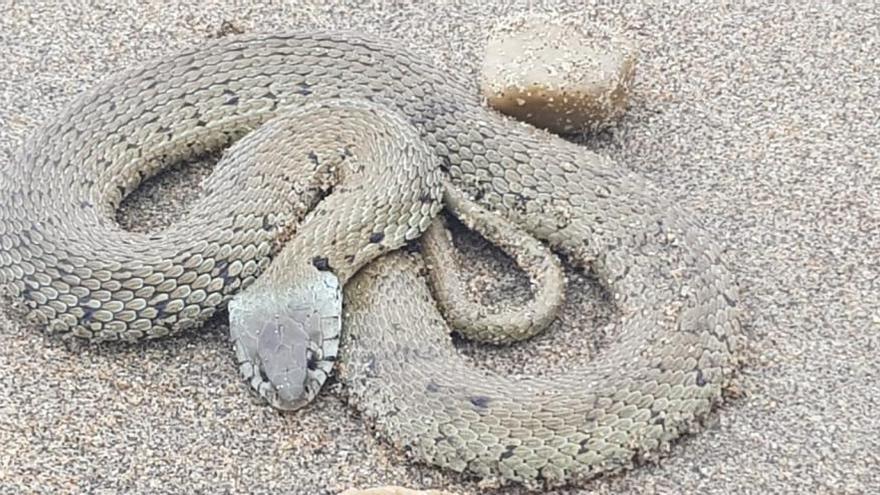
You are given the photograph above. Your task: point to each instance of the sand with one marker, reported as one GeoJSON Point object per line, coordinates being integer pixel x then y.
{"type": "Point", "coordinates": [760, 118]}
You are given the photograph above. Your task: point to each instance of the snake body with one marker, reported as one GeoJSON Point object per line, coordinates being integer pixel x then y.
{"type": "Point", "coordinates": [77, 271]}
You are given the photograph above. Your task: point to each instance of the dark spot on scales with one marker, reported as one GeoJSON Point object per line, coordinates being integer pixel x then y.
{"type": "Point", "coordinates": [432, 387]}
{"type": "Point", "coordinates": [222, 269]}
{"type": "Point", "coordinates": [377, 237]}
{"type": "Point", "coordinates": [313, 157]}
{"type": "Point", "coordinates": [321, 263]}
{"type": "Point", "coordinates": [508, 452]}
{"type": "Point", "coordinates": [87, 315]}
{"type": "Point", "coordinates": [583, 446]}
{"type": "Point", "coordinates": [425, 198]}
{"type": "Point", "coordinates": [480, 401]}
{"type": "Point", "coordinates": [658, 419]}
{"type": "Point", "coordinates": [412, 247]}
{"type": "Point", "coordinates": [304, 89]}
{"type": "Point", "coordinates": [729, 300]}
{"type": "Point", "coordinates": [160, 308]}
{"type": "Point", "coordinates": [701, 380]}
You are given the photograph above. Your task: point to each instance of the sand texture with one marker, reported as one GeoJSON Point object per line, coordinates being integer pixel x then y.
{"type": "Point", "coordinates": [761, 118]}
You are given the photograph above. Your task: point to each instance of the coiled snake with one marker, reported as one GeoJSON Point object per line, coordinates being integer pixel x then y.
{"type": "Point", "coordinates": [353, 110]}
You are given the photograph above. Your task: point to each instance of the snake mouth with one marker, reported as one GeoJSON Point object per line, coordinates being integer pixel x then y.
{"type": "Point", "coordinates": [286, 396]}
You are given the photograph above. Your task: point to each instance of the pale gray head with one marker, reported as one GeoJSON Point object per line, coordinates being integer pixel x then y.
{"type": "Point", "coordinates": [286, 341]}
{"type": "Point", "coordinates": [283, 354]}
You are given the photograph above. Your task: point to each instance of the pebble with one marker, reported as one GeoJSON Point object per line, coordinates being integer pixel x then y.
{"type": "Point", "coordinates": [557, 73]}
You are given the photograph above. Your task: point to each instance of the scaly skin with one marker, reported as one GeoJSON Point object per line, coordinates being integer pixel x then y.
{"type": "Point", "coordinates": [78, 271]}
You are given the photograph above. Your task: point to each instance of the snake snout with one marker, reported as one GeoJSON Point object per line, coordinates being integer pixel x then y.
{"type": "Point", "coordinates": [283, 354]}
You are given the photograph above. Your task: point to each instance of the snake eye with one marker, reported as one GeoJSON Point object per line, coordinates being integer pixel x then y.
{"type": "Point", "coordinates": [313, 355]}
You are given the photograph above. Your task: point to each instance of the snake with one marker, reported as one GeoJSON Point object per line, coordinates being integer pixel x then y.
{"type": "Point", "coordinates": [389, 138]}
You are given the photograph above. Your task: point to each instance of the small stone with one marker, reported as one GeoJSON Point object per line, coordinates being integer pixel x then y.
{"type": "Point", "coordinates": [558, 74]}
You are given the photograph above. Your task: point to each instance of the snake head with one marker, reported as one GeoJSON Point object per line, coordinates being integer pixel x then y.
{"type": "Point", "coordinates": [286, 341]}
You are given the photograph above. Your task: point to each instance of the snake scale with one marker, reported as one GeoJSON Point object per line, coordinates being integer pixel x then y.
{"type": "Point", "coordinates": [76, 271]}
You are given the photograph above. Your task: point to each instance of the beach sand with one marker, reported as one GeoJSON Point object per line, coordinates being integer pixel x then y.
{"type": "Point", "coordinates": [762, 119]}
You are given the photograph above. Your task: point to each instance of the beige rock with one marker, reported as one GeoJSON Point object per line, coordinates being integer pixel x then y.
{"type": "Point", "coordinates": [559, 74]}
{"type": "Point", "coordinates": [393, 490]}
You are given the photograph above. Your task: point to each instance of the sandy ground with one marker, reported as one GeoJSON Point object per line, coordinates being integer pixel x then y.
{"type": "Point", "coordinates": [762, 119]}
